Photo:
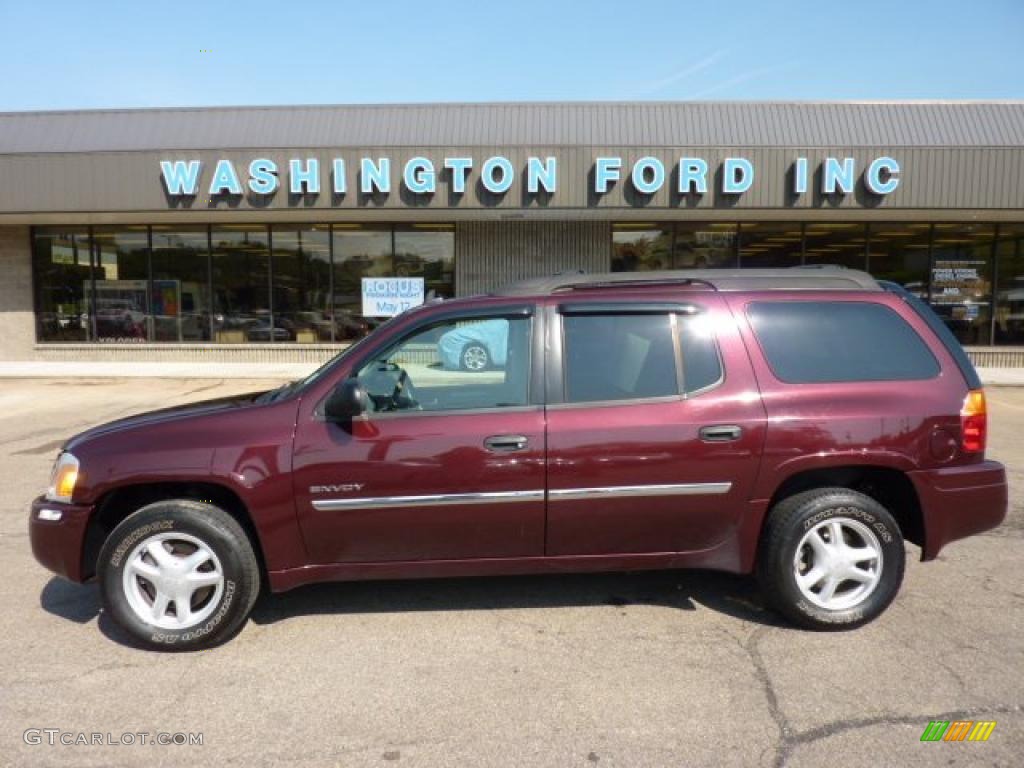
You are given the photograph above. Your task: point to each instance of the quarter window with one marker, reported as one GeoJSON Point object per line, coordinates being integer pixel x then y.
{"type": "Point", "coordinates": [827, 341]}
{"type": "Point", "coordinates": [460, 364]}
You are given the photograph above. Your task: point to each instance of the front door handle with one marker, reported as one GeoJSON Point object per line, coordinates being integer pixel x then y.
{"type": "Point", "coordinates": [720, 433]}
{"type": "Point", "coordinates": [506, 443]}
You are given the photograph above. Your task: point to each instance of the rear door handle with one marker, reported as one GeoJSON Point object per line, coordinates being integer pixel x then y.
{"type": "Point", "coordinates": [506, 443]}
{"type": "Point", "coordinates": [720, 433]}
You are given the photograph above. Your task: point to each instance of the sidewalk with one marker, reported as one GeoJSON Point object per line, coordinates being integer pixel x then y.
{"type": "Point", "coordinates": [1000, 377]}
{"type": "Point", "coordinates": [99, 370]}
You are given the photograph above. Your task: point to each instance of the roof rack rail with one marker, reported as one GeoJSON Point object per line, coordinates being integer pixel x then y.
{"type": "Point", "coordinates": [811, 277]}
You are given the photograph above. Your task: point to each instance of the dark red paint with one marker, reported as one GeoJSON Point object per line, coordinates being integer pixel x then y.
{"type": "Point", "coordinates": [269, 455]}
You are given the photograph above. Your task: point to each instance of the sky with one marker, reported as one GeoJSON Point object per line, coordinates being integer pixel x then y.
{"type": "Point", "coordinates": [110, 54]}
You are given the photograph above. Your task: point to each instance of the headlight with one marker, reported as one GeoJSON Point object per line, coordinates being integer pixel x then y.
{"type": "Point", "coordinates": [62, 482]}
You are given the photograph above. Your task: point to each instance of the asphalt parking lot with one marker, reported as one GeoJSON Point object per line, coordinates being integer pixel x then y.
{"type": "Point", "coordinates": [653, 669]}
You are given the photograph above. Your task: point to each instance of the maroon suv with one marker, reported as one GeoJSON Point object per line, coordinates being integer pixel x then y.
{"type": "Point", "coordinates": [799, 424]}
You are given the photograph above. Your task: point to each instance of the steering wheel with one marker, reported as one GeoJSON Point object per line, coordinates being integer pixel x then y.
{"type": "Point", "coordinates": [403, 397]}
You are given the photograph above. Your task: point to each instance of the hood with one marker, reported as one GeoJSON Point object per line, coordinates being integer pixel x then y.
{"type": "Point", "coordinates": [162, 416]}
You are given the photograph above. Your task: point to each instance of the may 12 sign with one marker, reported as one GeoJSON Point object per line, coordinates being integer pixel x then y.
{"type": "Point", "coordinates": [389, 296]}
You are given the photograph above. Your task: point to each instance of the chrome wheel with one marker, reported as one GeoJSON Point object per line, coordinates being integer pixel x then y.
{"type": "Point", "coordinates": [838, 563]}
{"type": "Point", "coordinates": [173, 580]}
{"type": "Point", "coordinates": [474, 358]}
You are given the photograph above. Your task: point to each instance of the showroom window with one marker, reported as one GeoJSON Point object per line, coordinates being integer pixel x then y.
{"type": "Point", "coordinates": [228, 283]}
{"type": "Point", "coordinates": [843, 244]}
{"type": "Point", "coordinates": [899, 253]}
{"type": "Point", "coordinates": [770, 244]}
{"type": "Point", "coordinates": [240, 259]}
{"type": "Point", "coordinates": [427, 251]}
{"type": "Point", "coordinates": [61, 260]}
{"type": "Point", "coordinates": [302, 282]}
{"type": "Point", "coordinates": [961, 279]}
{"type": "Point", "coordinates": [706, 246]}
{"type": "Point", "coordinates": [1009, 325]}
{"type": "Point", "coordinates": [641, 247]}
{"type": "Point", "coordinates": [121, 310]}
{"type": "Point", "coordinates": [181, 284]}
{"type": "Point", "coordinates": [358, 252]}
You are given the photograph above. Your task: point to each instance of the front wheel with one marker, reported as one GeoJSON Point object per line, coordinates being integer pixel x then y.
{"type": "Point", "coordinates": [475, 358]}
{"type": "Point", "coordinates": [179, 575]}
{"type": "Point", "coordinates": [830, 558]}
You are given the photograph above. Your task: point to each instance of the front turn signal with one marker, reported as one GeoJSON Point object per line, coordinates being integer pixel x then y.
{"type": "Point", "coordinates": [65, 476]}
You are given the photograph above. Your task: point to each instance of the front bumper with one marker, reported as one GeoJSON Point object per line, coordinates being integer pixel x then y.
{"type": "Point", "coordinates": [58, 544]}
{"type": "Point", "coordinates": [957, 502]}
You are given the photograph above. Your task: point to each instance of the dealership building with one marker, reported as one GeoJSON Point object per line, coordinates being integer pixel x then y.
{"type": "Point", "coordinates": [263, 234]}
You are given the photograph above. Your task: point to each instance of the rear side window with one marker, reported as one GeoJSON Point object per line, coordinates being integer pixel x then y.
{"type": "Point", "coordinates": [618, 357]}
{"type": "Point", "coordinates": [825, 341]}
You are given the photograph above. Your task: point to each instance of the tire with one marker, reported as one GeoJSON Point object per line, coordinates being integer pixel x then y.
{"type": "Point", "coordinates": [215, 589]}
{"type": "Point", "coordinates": [799, 537]}
{"type": "Point", "coordinates": [474, 357]}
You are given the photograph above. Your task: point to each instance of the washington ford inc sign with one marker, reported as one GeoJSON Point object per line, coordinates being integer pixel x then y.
{"type": "Point", "coordinates": [497, 174]}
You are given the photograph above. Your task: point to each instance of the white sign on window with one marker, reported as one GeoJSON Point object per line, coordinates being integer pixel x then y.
{"type": "Point", "coordinates": [389, 296]}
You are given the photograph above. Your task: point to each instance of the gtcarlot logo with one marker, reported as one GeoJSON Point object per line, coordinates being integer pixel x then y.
{"type": "Point", "coordinates": [58, 737]}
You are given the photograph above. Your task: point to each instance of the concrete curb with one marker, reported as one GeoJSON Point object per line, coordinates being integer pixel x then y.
{"type": "Point", "coordinates": [120, 370]}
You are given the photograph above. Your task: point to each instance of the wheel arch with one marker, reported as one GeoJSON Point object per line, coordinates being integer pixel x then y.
{"type": "Point", "coordinates": [118, 503]}
{"type": "Point", "coordinates": [890, 487]}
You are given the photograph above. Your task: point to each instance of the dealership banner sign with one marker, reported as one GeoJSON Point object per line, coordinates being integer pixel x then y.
{"type": "Point", "coordinates": [390, 296]}
{"type": "Point", "coordinates": [421, 176]}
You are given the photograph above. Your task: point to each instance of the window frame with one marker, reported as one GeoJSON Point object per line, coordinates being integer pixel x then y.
{"type": "Point", "coordinates": [534, 379]}
{"type": "Point", "coordinates": [557, 380]}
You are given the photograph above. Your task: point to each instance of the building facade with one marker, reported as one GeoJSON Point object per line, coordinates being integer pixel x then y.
{"type": "Point", "coordinates": [253, 233]}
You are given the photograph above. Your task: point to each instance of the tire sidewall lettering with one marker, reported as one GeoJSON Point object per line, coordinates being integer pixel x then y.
{"type": "Point", "coordinates": [133, 538]}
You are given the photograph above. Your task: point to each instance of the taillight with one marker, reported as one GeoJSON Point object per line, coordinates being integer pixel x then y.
{"type": "Point", "coordinates": [973, 422]}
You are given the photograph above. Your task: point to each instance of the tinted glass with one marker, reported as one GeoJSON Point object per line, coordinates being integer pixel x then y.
{"type": "Point", "coordinates": [702, 366]}
{"type": "Point", "coordinates": [641, 247]}
{"type": "Point", "coordinates": [358, 252]}
{"type": "Point", "coordinates": [822, 341]}
{"type": "Point", "coordinates": [302, 278]}
{"type": "Point", "coordinates": [1010, 298]}
{"type": "Point", "coordinates": [60, 259]}
{"type": "Point", "coordinates": [241, 286]}
{"type": "Point", "coordinates": [181, 284]}
{"type": "Point", "coordinates": [455, 365]}
{"type": "Point", "coordinates": [618, 357]}
{"type": "Point", "coordinates": [962, 279]}
{"type": "Point", "coordinates": [705, 246]}
{"type": "Point", "coordinates": [842, 244]}
{"type": "Point", "coordinates": [427, 251]}
{"type": "Point", "coordinates": [122, 284]}
{"type": "Point", "coordinates": [899, 253]}
{"type": "Point", "coordinates": [770, 244]}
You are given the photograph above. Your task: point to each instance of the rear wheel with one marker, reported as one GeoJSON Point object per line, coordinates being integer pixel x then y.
{"type": "Point", "coordinates": [830, 558]}
{"type": "Point", "coordinates": [179, 574]}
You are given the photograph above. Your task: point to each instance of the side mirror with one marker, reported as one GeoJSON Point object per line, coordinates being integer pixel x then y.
{"type": "Point", "coordinates": [347, 401]}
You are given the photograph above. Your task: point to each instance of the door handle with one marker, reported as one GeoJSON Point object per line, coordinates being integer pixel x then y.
{"type": "Point", "coordinates": [720, 433]}
{"type": "Point", "coordinates": [506, 443]}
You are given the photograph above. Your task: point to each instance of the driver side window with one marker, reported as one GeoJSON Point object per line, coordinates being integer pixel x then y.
{"type": "Point", "coordinates": [457, 364]}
